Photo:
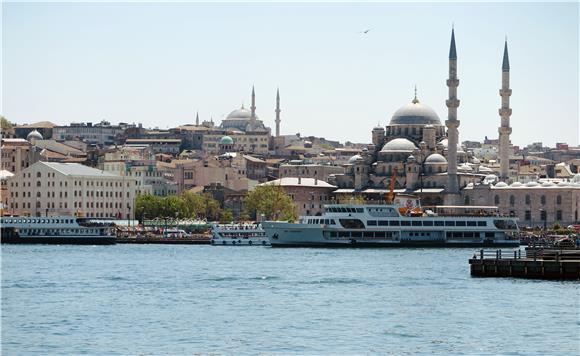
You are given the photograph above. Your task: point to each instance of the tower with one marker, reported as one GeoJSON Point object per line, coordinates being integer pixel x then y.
{"type": "Point", "coordinates": [452, 124]}
{"type": "Point", "coordinates": [505, 112]}
{"type": "Point", "coordinates": [197, 118]}
{"type": "Point", "coordinates": [277, 112]}
{"type": "Point", "coordinates": [253, 107]}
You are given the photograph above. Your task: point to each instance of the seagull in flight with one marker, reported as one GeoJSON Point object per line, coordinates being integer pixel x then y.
{"type": "Point", "coordinates": [366, 31]}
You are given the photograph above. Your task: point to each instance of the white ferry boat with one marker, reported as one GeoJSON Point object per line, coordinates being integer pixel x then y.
{"type": "Point", "coordinates": [56, 230]}
{"type": "Point", "coordinates": [352, 225]}
{"type": "Point", "coordinates": [238, 235]}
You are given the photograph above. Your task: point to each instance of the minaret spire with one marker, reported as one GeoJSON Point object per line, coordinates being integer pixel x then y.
{"type": "Point", "coordinates": [505, 112]}
{"type": "Point", "coordinates": [253, 107]}
{"type": "Point", "coordinates": [197, 118]}
{"type": "Point", "coordinates": [278, 112]}
{"type": "Point", "coordinates": [452, 188]}
{"type": "Point", "coordinates": [415, 100]}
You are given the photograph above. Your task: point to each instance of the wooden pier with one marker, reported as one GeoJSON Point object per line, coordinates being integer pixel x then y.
{"type": "Point", "coordinates": [558, 264]}
{"type": "Point", "coordinates": [200, 239]}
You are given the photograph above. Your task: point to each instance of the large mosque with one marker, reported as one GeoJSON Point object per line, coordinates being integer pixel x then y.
{"type": "Point", "coordinates": [422, 151]}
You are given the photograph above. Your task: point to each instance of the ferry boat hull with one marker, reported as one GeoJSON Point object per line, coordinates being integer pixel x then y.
{"type": "Point", "coordinates": [282, 234]}
{"type": "Point", "coordinates": [59, 240]}
{"type": "Point", "coordinates": [238, 235]}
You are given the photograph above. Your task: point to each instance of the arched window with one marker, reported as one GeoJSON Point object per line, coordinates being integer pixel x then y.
{"type": "Point", "coordinates": [496, 200]}
{"type": "Point", "coordinates": [559, 199]}
{"type": "Point", "coordinates": [467, 200]}
{"type": "Point", "coordinates": [528, 200]}
{"type": "Point", "coordinates": [543, 199]}
{"type": "Point", "coordinates": [512, 200]}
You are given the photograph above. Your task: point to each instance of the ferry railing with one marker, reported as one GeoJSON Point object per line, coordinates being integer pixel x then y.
{"type": "Point", "coordinates": [533, 254]}
{"type": "Point", "coordinates": [497, 254]}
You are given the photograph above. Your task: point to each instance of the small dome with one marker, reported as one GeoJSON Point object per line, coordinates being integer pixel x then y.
{"type": "Point", "coordinates": [34, 135]}
{"type": "Point", "coordinates": [516, 185]}
{"type": "Point", "coordinates": [445, 144]}
{"type": "Point", "coordinates": [435, 158]}
{"type": "Point", "coordinates": [501, 185]}
{"type": "Point", "coordinates": [475, 160]}
{"type": "Point", "coordinates": [485, 169]}
{"type": "Point", "coordinates": [399, 145]}
{"type": "Point", "coordinates": [415, 113]}
{"type": "Point", "coordinates": [532, 184]}
{"type": "Point", "coordinates": [465, 167]}
{"type": "Point", "coordinates": [548, 184]}
{"type": "Point", "coordinates": [354, 158]}
{"type": "Point", "coordinates": [411, 159]}
{"type": "Point", "coordinates": [226, 140]}
{"type": "Point", "coordinates": [576, 178]}
{"type": "Point", "coordinates": [563, 184]}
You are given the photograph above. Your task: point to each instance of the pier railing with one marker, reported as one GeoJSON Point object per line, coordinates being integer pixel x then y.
{"type": "Point", "coordinates": [530, 253]}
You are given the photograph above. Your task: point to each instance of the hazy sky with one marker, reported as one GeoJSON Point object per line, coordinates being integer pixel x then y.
{"type": "Point", "coordinates": [160, 63]}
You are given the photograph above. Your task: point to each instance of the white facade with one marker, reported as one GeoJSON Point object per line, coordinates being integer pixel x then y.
{"type": "Point", "coordinates": [55, 189]}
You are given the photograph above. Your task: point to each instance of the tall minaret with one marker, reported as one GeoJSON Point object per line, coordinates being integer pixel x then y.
{"type": "Point", "coordinates": [277, 112]}
{"type": "Point", "coordinates": [253, 107]}
{"type": "Point", "coordinates": [452, 123]}
{"type": "Point", "coordinates": [197, 118]}
{"type": "Point", "coordinates": [505, 112]}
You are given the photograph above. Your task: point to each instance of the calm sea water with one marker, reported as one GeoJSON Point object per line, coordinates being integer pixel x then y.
{"type": "Point", "coordinates": [151, 299]}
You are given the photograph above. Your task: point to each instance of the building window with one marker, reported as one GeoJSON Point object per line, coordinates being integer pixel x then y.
{"type": "Point", "coordinates": [467, 200]}
{"type": "Point", "coordinates": [559, 199]}
{"type": "Point", "coordinates": [528, 215]}
{"type": "Point", "coordinates": [496, 200]}
{"type": "Point", "coordinates": [528, 200]}
{"type": "Point", "coordinates": [512, 200]}
{"type": "Point", "coordinates": [543, 199]}
{"type": "Point", "coordinates": [543, 215]}
{"type": "Point", "coordinates": [559, 215]}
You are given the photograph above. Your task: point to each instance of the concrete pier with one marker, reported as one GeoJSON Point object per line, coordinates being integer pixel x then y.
{"type": "Point", "coordinates": [541, 264]}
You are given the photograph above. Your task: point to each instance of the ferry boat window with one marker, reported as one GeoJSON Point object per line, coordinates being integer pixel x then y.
{"type": "Point", "coordinates": [449, 223]}
{"type": "Point", "coordinates": [356, 234]}
{"type": "Point", "coordinates": [379, 234]}
{"type": "Point", "coordinates": [439, 223]}
{"type": "Point", "coordinates": [468, 234]}
{"type": "Point", "coordinates": [405, 223]}
{"type": "Point", "coordinates": [460, 223]}
{"type": "Point", "coordinates": [383, 223]}
{"type": "Point", "coordinates": [333, 234]}
{"type": "Point", "coordinates": [359, 210]}
{"type": "Point", "coordinates": [394, 223]}
{"type": "Point", "coordinates": [368, 234]}
{"type": "Point", "coordinates": [505, 224]}
{"type": "Point", "coordinates": [344, 234]}
{"type": "Point", "coordinates": [471, 223]}
{"type": "Point", "coordinates": [427, 223]}
{"type": "Point", "coordinates": [332, 222]}
{"type": "Point", "coordinates": [352, 223]}
{"type": "Point", "coordinates": [343, 210]}
{"type": "Point", "coordinates": [481, 223]}
{"type": "Point", "coordinates": [489, 234]}
{"type": "Point", "coordinates": [371, 222]}
{"type": "Point", "coordinates": [416, 223]}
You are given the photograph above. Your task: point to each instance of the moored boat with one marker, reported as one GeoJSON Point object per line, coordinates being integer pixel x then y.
{"type": "Point", "coordinates": [353, 225]}
{"type": "Point", "coordinates": [56, 230]}
{"type": "Point", "coordinates": [242, 234]}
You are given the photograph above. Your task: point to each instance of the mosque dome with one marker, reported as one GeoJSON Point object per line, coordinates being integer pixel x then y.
{"type": "Point", "coordinates": [548, 184]}
{"type": "Point", "coordinates": [399, 145]}
{"type": "Point", "coordinates": [415, 113]}
{"type": "Point", "coordinates": [241, 113]}
{"type": "Point", "coordinates": [354, 158]}
{"type": "Point", "coordinates": [435, 158]}
{"type": "Point", "coordinates": [34, 135]}
{"type": "Point", "coordinates": [576, 178]}
{"type": "Point", "coordinates": [516, 185]}
{"type": "Point", "coordinates": [226, 140]}
{"type": "Point", "coordinates": [501, 185]}
{"type": "Point", "coordinates": [532, 184]}
{"type": "Point", "coordinates": [445, 143]}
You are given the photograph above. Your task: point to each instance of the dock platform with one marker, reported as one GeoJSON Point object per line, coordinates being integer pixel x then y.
{"type": "Point", "coordinates": [156, 239]}
{"type": "Point", "coordinates": [555, 264]}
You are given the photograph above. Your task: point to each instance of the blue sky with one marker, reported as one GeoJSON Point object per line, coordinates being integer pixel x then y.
{"type": "Point", "coordinates": [160, 63]}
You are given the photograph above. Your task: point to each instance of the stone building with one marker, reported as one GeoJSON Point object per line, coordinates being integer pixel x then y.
{"type": "Point", "coordinates": [51, 189]}
{"type": "Point", "coordinates": [309, 194]}
{"type": "Point", "coordinates": [535, 203]}
{"type": "Point", "coordinates": [18, 154]}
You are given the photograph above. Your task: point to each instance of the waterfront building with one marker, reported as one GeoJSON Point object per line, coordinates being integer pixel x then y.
{"type": "Point", "coordinates": [52, 189]}
{"type": "Point", "coordinates": [309, 194]}
{"type": "Point", "coordinates": [318, 171]}
{"type": "Point", "coordinates": [103, 133]}
{"type": "Point", "coordinates": [4, 193]}
{"type": "Point", "coordinates": [17, 154]}
{"type": "Point", "coordinates": [170, 146]}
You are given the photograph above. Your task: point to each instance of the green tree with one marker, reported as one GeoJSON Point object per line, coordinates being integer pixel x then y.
{"type": "Point", "coordinates": [351, 199]}
{"type": "Point", "coordinates": [6, 125]}
{"type": "Point", "coordinates": [201, 206]}
{"type": "Point", "coordinates": [226, 216]}
{"type": "Point", "coordinates": [148, 205]}
{"type": "Point", "coordinates": [272, 201]}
